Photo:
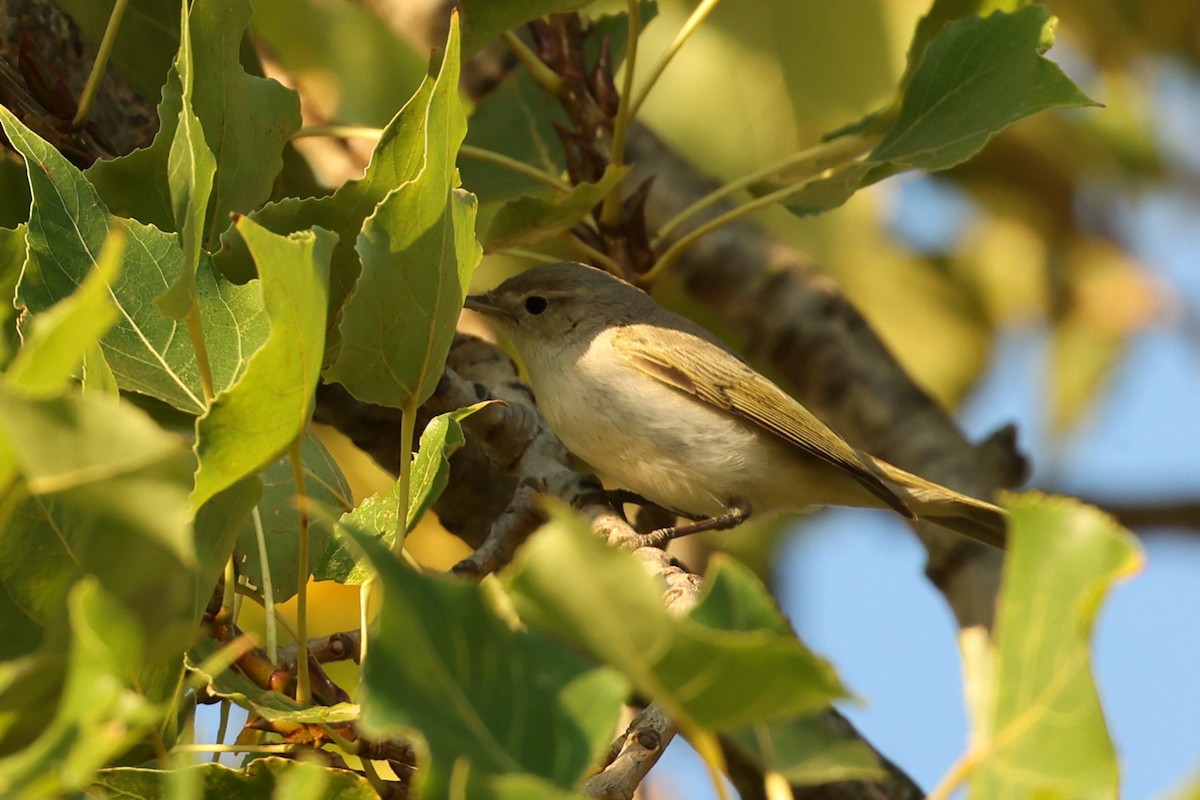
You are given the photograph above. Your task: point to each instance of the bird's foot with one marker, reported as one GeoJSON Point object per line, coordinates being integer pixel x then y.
{"type": "Point", "coordinates": [737, 512]}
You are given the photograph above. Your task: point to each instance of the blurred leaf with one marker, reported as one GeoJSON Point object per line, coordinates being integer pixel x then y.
{"type": "Point", "coordinates": [59, 338]}
{"type": "Point", "coordinates": [31, 688]}
{"type": "Point", "coordinates": [1038, 726]}
{"type": "Point", "coordinates": [480, 786]}
{"type": "Point", "coordinates": [146, 42]}
{"type": "Point", "coordinates": [20, 635]}
{"type": "Point", "coordinates": [807, 752]}
{"type": "Point", "coordinates": [528, 220]}
{"type": "Point", "coordinates": [233, 685]}
{"type": "Point", "coordinates": [484, 20]}
{"type": "Point", "coordinates": [246, 121]}
{"type": "Point", "coordinates": [977, 76]}
{"type": "Point", "coordinates": [325, 486]}
{"type": "Point", "coordinates": [99, 715]}
{"type": "Point", "coordinates": [260, 779]}
{"type": "Point", "coordinates": [148, 352]}
{"type": "Point", "coordinates": [190, 170]}
{"type": "Point", "coordinates": [257, 418]}
{"type": "Point", "coordinates": [446, 664]}
{"type": "Point", "coordinates": [418, 252]}
{"type": "Point", "coordinates": [706, 671]}
{"type": "Point", "coordinates": [108, 496]}
{"type": "Point", "coordinates": [377, 514]}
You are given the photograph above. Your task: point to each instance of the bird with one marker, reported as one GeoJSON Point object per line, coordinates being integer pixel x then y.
{"type": "Point", "coordinates": [658, 404]}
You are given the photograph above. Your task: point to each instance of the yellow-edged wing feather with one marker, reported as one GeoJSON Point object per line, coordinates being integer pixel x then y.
{"type": "Point", "coordinates": [713, 374]}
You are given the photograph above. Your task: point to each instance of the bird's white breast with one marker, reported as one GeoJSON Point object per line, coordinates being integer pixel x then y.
{"type": "Point", "coordinates": [658, 441]}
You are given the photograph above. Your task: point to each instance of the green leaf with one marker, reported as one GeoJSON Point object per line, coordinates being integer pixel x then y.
{"type": "Point", "coordinates": [807, 752]}
{"type": "Point", "coordinates": [58, 339]}
{"type": "Point", "coordinates": [445, 663]}
{"type": "Point", "coordinates": [707, 671]}
{"type": "Point", "coordinates": [147, 352]}
{"type": "Point", "coordinates": [942, 13]}
{"type": "Point", "coordinates": [256, 419]}
{"type": "Point", "coordinates": [976, 77]}
{"type": "Point", "coordinates": [107, 495]}
{"type": "Point", "coordinates": [484, 20]}
{"type": "Point", "coordinates": [325, 486]}
{"type": "Point", "coordinates": [481, 786]}
{"type": "Point", "coordinates": [396, 160]}
{"type": "Point", "coordinates": [1038, 726]}
{"type": "Point", "coordinates": [236, 687]}
{"type": "Point", "coordinates": [190, 170]}
{"type": "Point", "coordinates": [261, 779]}
{"type": "Point", "coordinates": [513, 120]}
{"type": "Point", "coordinates": [99, 715]}
{"type": "Point", "coordinates": [418, 252]}
{"type": "Point", "coordinates": [246, 122]}
{"type": "Point", "coordinates": [528, 220]}
{"type": "Point", "coordinates": [377, 514]}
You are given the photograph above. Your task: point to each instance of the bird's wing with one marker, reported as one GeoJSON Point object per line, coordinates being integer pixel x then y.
{"type": "Point", "coordinates": [705, 370]}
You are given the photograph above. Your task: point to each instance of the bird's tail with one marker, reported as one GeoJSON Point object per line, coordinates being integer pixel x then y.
{"type": "Point", "coordinates": [975, 519]}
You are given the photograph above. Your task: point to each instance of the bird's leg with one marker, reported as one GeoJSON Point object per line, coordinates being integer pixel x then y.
{"type": "Point", "coordinates": [622, 496]}
{"type": "Point", "coordinates": [737, 512]}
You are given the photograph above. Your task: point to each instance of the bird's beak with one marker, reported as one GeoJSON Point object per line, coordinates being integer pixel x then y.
{"type": "Point", "coordinates": [485, 304]}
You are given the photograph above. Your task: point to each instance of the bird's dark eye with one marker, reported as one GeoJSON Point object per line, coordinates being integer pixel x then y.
{"type": "Point", "coordinates": [536, 304]}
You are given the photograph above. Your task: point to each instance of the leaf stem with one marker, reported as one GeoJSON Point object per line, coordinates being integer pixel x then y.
{"type": "Point", "coordinates": [957, 773]}
{"type": "Point", "coordinates": [699, 15]}
{"type": "Point", "coordinates": [808, 163]}
{"type": "Point", "coordinates": [512, 164]}
{"type": "Point", "coordinates": [195, 329]}
{"type": "Point", "coordinates": [683, 243]}
{"type": "Point", "coordinates": [598, 259]}
{"type": "Point", "coordinates": [408, 423]}
{"type": "Point", "coordinates": [222, 726]}
{"type": "Point", "coordinates": [268, 593]}
{"type": "Point", "coordinates": [710, 752]}
{"type": "Point", "coordinates": [303, 684]}
{"type": "Point", "coordinates": [610, 212]}
{"type": "Point", "coordinates": [545, 77]}
{"type": "Point", "coordinates": [100, 64]}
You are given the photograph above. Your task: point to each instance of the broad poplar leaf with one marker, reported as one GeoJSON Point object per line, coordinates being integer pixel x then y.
{"type": "Point", "coordinates": [252, 422]}
{"type": "Point", "coordinates": [1038, 727]}
{"type": "Point", "coordinates": [108, 497]}
{"type": "Point", "coordinates": [444, 662]}
{"type": "Point", "coordinates": [713, 670]}
{"type": "Point", "coordinates": [531, 219]}
{"type": "Point", "coordinates": [190, 170]}
{"type": "Point", "coordinates": [261, 779]}
{"type": "Point", "coordinates": [246, 122]}
{"type": "Point", "coordinates": [148, 352]}
{"type": "Point", "coordinates": [975, 77]}
{"type": "Point", "coordinates": [100, 715]}
{"type": "Point", "coordinates": [442, 437]}
{"type": "Point", "coordinates": [397, 159]}
{"type": "Point", "coordinates": [61, 337]}
{"type": "Point", "coordinates": [418, 252]}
